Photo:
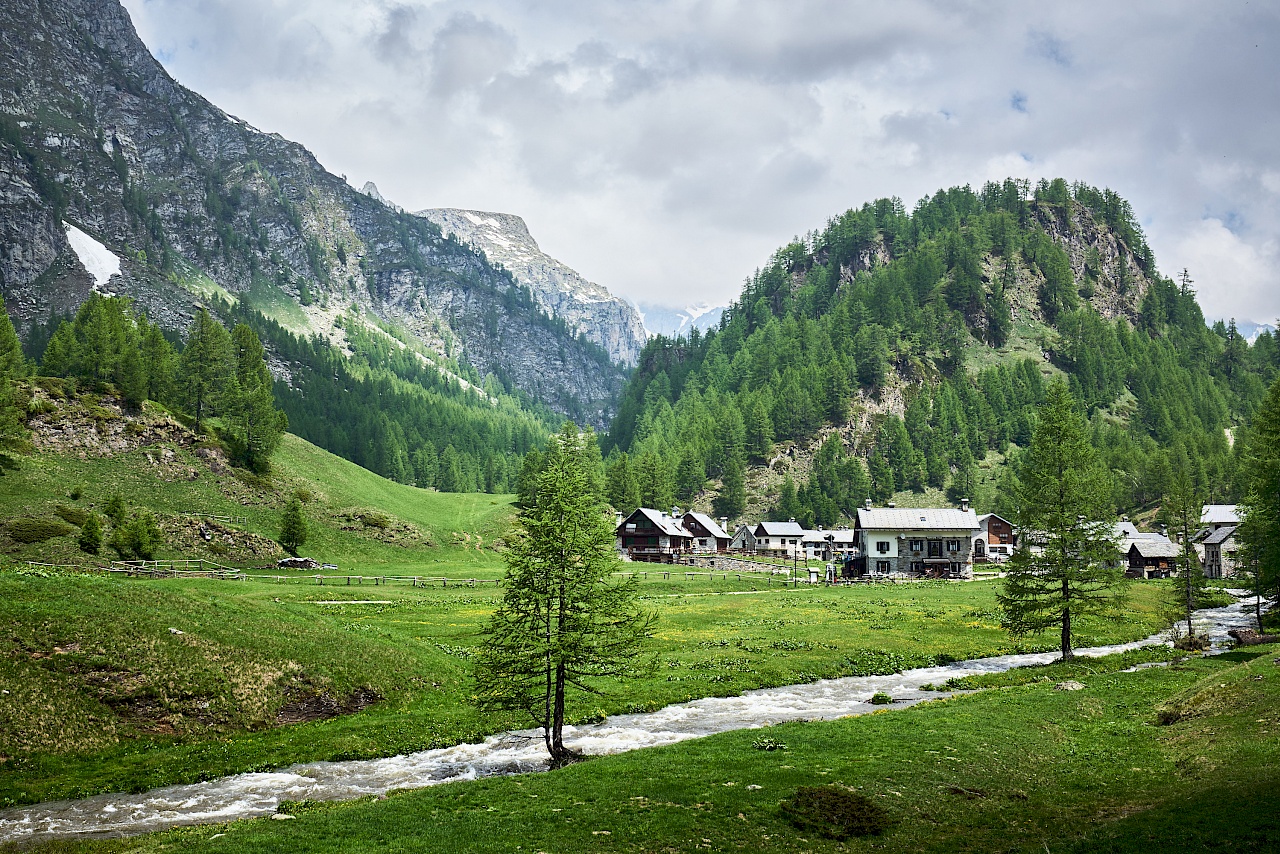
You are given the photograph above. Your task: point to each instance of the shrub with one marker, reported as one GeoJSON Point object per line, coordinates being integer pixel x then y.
{"type": "Point", "coordinates": [836, 812]}
{"type": "Point", "coordinates": [72, 515]}
{"type": "Point", "coordinates": [90, 540]}
{"type": "Point", "coordinates": [138, 538]}
{"type": "Point", "coordinates": [375, 520]}
{"type": "Point", "coordinates": [880, 698]}
{"type": "Point", "coordinates": [767, 743]}
{"type": "Point", "coordinates": [304, 495]}
{"type": "Point", "coordinates": [115, 510]}
{"type": "Point", "coordinates": [27, 530]}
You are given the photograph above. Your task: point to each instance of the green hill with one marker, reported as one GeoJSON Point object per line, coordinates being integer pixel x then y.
{"type": "Point", "coordinates": [88, 448]}
{"type": "Point", "coordinates": [894, 352]}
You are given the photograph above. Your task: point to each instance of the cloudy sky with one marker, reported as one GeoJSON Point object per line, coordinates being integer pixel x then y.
{"type": "Point", "coordinates": [665, 148]}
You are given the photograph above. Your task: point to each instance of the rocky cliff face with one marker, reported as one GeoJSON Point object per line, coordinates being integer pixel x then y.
{"type": "Point", "coordinates": [197, 203]}
{"type": "Point", "coordinates": [559, 290]}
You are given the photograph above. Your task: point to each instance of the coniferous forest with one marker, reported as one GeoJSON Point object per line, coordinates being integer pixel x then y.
{"type": "Point", "coordinates": [897, 350]}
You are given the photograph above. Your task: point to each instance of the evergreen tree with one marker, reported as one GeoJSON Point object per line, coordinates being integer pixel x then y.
{"type": "Point", "coordinates": [206, 366]}
{"type": "Point", "coordinates": [115, 509]}
{"type": "Point", "coordinates": [1063, 501]}
{"type": "Point", "coordinates": [160, 361]}
{"type": "Point", "coordinates": [691, 475]}
{"type": "Point", "coordinates": [1259, 531]}
{"type": "Point", "coordinates": [1182, 510]}
{"type": "Point", "coordinates": [563, 620]}
{"type": "Point", "coordinates": [622, 486]}
{"type": "Point", "coordinates": [425, 465]}
{"type": "Point", "coordinates": [964, 481]}
{"type": "Point", "coordinates": [90, 539]}
{"type": "Point", "coordinates": [293, 526]}
{"type": "Point", "coordinates": [732, 499]}
{"type": "Point", "coordinates": [257, 426]}
{"type": "Point", "coordinates": [999, 318]}
{"type": "Point", "coordinates": [13, 367]}
{"type": "Point", "coordinates": [138, 538]}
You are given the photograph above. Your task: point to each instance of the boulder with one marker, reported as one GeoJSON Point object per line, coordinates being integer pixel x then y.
{"type": "Point", "coordinates": [298, 563]}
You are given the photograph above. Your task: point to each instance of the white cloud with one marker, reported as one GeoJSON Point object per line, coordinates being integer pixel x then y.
{"type": "Point", "coordinates": [666, 147]}
{"type": "Point", "coordinates": [1232, 278]}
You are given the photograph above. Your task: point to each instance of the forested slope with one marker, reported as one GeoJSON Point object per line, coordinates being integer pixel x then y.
{"type": "Point", "coordinates": [897, 350]}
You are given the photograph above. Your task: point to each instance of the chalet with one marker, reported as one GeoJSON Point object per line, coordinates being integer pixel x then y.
{"type": "Point", "coordinates": [781, 539]}
{"type": "Point", "coordinates": [744, 540]}
{"type": "Point", "coordinates": [653, 536]}
{"type": "Point", "coordinates": [1220, 553]}
{"type": "Point", "coordinates": [995, 540]}
{"type": "Point", "coordinates": [840, 544]}
{"type": "Point", "coordinates": [1217, 516]}
{"type": "Point", "coordinates": [1153, 556]}
{"type": "Point", "coordinates": [708, 536]}
{"type": "Point", "coordinates": [919, 541]}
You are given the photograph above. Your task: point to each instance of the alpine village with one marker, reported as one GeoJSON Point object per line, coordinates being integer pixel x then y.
{"type": "Point", "coordinates": [330, 526]}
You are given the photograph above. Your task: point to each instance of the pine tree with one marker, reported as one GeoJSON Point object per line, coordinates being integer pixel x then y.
{"type": "Point", "coordinates": [563, 619]}
{"type": "Point", "coordinates": [13, 367]}
{"type": "Point", "coordinates": [732, 499]}
{"type": "Point", "coordinates": [293, 527]}
{"type": "Point", "coordinates": [90, 539]}
{"type": "Point", "coordinates": [115, 509]}
{"type": "Point", "coordinates": [1259, 530]}
{"type": "Point", "coordinates": [1063, 505]}
{"type": "Point", "coordinates": [256, 424]}
{"type": "Point", "coordinates": [206, 366]}
{"type": "Point", "coordinates": [1182, 509]}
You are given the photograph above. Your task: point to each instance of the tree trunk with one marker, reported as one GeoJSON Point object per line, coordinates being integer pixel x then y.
{"type": "Point", "coordinates": [560, 755]}
{"type": "Point", "coordinates": [1067, 654]}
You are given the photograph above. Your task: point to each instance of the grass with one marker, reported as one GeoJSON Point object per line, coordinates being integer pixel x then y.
{"type": "Point", "coordinates": [1021, 768]}
{"type": "Point", "coordinates": [107, 698]}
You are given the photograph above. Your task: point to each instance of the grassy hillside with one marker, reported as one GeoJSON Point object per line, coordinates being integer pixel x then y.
{"type": "Point", "coordinates": [87, 449]}
{"type": "Point", "coordinates": [1176, 758]}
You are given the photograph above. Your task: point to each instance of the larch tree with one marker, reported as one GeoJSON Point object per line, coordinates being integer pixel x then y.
{"type": "Point", "coordinates": [1259, 530]}
{"type": "Point", "coordinates": [293, 526]}
{"type": "Point", "coordinates": [564, 622]}
{"type": "Point", "coordinates": [205, 365]}
{"type": "Point", "coordinates": [257, 425]}
{"type": "Point", "coordinates": [1067, 564]}
{"type": "Point", "coordinates": [1182, 505]}
{"type": "Point", "coordinates": [13, 367]}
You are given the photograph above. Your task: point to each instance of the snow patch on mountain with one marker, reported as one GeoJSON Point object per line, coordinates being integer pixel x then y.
{"type": "Point", "coordinates": [97, 260]}
{"type": "Point", "coordinates": [669, 321]}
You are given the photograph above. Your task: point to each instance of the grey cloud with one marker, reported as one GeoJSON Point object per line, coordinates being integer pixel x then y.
{"type": "Point", "coordinates": [468, 52]}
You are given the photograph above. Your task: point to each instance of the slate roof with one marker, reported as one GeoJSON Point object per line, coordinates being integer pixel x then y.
{"type": "Point", "coordinates": [839, 535]}
{"type": "Point", "coordinates": [663, 522]}
{"type": "Point", "coordinates": [713, 528]}
{"type": "Point", "coordinates": [1220, 536]}
{"type": "Point", "coordinates": [917, 519]}
{"type": "Point", "coordinates": [1156, 548]}
{"type": "Point", "coordinates": [779, 529]}
{"type": "Point", "coordinates": [1219, 514]}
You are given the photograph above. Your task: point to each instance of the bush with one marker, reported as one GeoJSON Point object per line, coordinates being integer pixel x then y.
{"type": "Point", "coordinates": [72, 515]}
{"type": "Point", "coordinates": [90, 540]}
{"type": "Point", "coordinates": [27, 530]}
{"type": "Point", "coordinates": [836, 812]}
{"type": "Point", "coordinates": [880, 698]}
{"type": "Point", "coordinates": [767, 743]}
{"type": "Point", "coordinates": [115, 509]}
{"type": "Point", "coordinates": [375, 520]}
{"type": "Point", "coordinates": [138, 538]}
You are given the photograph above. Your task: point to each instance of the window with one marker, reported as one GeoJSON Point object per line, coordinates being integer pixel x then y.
{"type": "Point", "coordinates": [882, 546]}
{"type": "Point", "coordinates": [917, 566]}
{"type": "Point", "coordinates": [955, 568]}
{"type": "Point", "coordinates": [882, 566]}
{"type": "Point", "coordinates": [953, 545]}
{"type": "Point", "coordinates": [917, 545]}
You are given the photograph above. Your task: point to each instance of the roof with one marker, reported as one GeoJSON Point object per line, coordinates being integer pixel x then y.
{"type": "Point", "coordinates": [917, 519]}
{"type": "Point", "coordinates": [1128, 531]}
{"type": "Point", "coordinates": [1219, 514]}
{"type": "Point", "coordinates": [664, 523]}
{"type": "Point", "coordinates": [837, 535]}
{"type": "Point", "coordinates": [713, 528]}
{"type": "Point", "coordinates": [781, 529]}
{"type": "Point", "coordinates": [1220, 536]}
{"type": "Point", "coordinates": [986, 516]}
{"type": "Point", "coordinates": [1156, 548]}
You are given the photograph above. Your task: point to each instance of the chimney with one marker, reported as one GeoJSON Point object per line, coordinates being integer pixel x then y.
{"type": "Point", "coordinates": [890, 505]}
{"type": "Point", "coordinates": [724, 523]}
{"type": "Point", "coordinates": [964, 504]}
{"type": "Point", "coordinates": [675, 512]}
{"type": "Point", "coordinates": [792, 519]}
{"type": "Point", "coordinates": [867, 504]}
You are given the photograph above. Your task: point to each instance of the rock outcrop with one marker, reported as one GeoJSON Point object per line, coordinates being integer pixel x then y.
{"type": "Point", "coordinates": [198, 204]}
{"type": "Point", "coordinates": [560, 291]}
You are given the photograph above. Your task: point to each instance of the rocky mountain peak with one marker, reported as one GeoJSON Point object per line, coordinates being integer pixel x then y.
{"type": "Point", "coordinates": [558, 289]}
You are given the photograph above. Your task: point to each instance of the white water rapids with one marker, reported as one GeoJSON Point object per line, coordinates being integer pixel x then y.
{"type": "Point", "coordinates": [249, 795]}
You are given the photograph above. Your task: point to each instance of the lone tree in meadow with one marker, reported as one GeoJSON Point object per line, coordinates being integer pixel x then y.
{"type": "Point", "coordinates": [1182, 510]}
{"type": "Point", "coordinates": [563, 621]}
{"type": "Point", "coordinates": [1062, 501]}
{"type": "Point", "coordinates": [293, 527]}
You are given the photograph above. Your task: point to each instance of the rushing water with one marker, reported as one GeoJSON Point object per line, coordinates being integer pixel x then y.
{"type": "Point", "coordinates": [248, 795]}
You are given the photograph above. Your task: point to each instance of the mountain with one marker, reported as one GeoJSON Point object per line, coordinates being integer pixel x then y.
{"type": "Point", "coordinates": [897, 353]}
{"type": "Point", "coordinates": [1251, 330]}
{"type": "Point", "coordinates": [668, 321]}
{"type": "Point", "coordinates": [586, 307]}
{"type": "Point", "coordinates": [198, 207]}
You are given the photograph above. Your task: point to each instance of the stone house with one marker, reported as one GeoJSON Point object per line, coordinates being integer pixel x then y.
{"type": "Point", "coordinates": [653, 536]}
{"type": "Point", "coordinates": [708, 535]}
{"type": "Point", "coordinates": [918, 540]}
{"type": "Point", "coordinates": [1221, 553]}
